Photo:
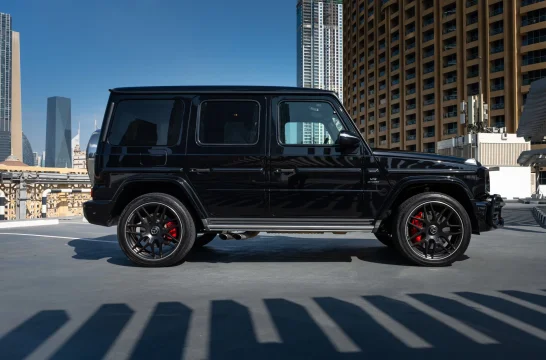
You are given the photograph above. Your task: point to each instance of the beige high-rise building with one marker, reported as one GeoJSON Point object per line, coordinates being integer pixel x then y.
{"type": "Point", "coordinates": [16, 103]}
{"type": "Point", "coordinates": [408, 65]}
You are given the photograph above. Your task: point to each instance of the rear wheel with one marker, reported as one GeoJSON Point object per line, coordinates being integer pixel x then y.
{"type": "Point", "coordinates": [156, 230]}
{"type": "Point", "coordinates": [432, 229]}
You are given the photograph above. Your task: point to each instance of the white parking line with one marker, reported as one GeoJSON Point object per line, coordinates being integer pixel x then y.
{"type": "Point", "coordinates": [61, 237]}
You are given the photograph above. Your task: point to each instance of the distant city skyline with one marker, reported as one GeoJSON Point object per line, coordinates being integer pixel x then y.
{"type": "Point", "coordinates": [236, 49]}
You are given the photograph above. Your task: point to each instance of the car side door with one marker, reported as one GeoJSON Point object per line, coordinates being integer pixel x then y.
{"type": "Point", "coordinates": [311, 176]}
{"type": "Point", "coordinates": [226, 154]}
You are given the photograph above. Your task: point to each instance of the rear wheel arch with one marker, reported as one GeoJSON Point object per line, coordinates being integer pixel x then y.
{"type": "Point", "coordinates": [132, 189]}
{"type": "Point", "coordinates": [455, 189]}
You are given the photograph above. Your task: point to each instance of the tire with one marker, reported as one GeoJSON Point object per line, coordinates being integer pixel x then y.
{"type": "Point", "coordinates": [203, 240]}
{"type": "Point", "coordinates": [428, 239]}
{"type": "Point", "coordinates": [175, 217]}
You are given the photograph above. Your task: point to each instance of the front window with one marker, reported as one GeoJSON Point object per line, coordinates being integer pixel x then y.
{"type": "Point", "coordinates": [306, 123]}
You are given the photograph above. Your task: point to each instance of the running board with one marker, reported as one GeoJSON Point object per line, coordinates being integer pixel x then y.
{"type": "Point", "coordinates": [287, 225]}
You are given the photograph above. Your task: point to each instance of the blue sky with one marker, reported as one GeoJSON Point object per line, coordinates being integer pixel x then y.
{"type": "Point", "coordinates": [80, 49]}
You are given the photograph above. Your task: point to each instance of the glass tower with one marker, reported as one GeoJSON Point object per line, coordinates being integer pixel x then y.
{"type": "Point", "coordinates": [5, 85]}
{"type": "Point", "coordinates": [58, 133]}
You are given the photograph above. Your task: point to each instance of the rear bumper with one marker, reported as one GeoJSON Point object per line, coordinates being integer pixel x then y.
{"type": "Point", "coordinates": [98, 212]}
{"type": "Point", "coordinates": [489, 213]}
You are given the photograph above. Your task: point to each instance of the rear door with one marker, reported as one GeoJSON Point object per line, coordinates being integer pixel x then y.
{"type": "Point", "coordinates": [226, 154]}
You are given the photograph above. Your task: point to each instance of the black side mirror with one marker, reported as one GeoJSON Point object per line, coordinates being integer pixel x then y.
{"type": "Point", "coordinates": [348, 141]}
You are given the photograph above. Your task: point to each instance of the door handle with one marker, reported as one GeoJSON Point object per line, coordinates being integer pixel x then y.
{"type": "Point", "coordinates": [285, 171]}
{"type": "Point", "coordinates": [199, 170]}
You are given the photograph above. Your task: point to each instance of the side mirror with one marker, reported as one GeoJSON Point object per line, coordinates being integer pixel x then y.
{"type": "Point", "coordinates": [348, 141]}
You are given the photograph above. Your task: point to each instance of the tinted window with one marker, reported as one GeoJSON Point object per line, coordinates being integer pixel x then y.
{"type": "Point", "coordinates": [228, 122]}
{"type": "Point", "coordinates": [147, 123]}
{"type": "Point", "coordinates": [303, 123]}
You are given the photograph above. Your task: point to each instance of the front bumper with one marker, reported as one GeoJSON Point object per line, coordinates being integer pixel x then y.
{"type": "Point", "coordinates": [98, 212]}
{"type": "Point", "coordinates": [489, 212]}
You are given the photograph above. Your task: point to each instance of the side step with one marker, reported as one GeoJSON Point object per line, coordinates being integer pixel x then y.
{"type": "Point", "coordinates": [288, 225]}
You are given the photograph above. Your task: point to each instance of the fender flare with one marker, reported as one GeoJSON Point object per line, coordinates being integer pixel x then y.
{"type": "Point", "coordinates": [178, 181]}
{"type": "Point", "coordinates": [411, 181]}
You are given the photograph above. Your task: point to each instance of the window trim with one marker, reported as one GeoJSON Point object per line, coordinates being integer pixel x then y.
{"type": "Point", "coordinates": [280, 143]}
{"type": "Point", "coordinates": [198, 123]}
{"type": "Point", "coordinates": [114, 105]}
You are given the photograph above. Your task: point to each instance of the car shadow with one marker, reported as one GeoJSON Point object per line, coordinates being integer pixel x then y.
{"type": "Point", "coordinates": [261, 249]}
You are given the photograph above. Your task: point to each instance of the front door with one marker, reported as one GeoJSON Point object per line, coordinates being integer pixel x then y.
{"type": "Point", "coordinates": [310, 175]}
{"type": "Point", "coordinates": [226, 155]}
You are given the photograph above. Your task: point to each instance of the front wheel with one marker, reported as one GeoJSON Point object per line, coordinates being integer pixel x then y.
{"type": "Point", "coordinates": [156, 230]}
{"type": "Point", "coordinates": [432, 229]}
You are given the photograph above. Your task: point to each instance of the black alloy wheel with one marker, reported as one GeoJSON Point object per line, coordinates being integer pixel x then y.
{"type": "Point", "coordinates": [433, 229]}
{"type": "Point", "coordinates": [156, 230]}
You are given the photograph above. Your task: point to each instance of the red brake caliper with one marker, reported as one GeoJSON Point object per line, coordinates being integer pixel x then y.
{"type": "Point", "coordinates": [172, 232]}
{"type": "Point", "coordinates": [413, 230]}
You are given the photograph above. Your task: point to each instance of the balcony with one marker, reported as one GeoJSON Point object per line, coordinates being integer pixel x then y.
{"type": "Point", "coordinates": [449, 30]}
{"type": "Point", "coordinates": [372, 131]}
{"type": "Point", "coordinates": [449, 13]}
{"type": "Point", "coordinates": [428, 38]}
{"type": "Point", "coordinates": [496, 31]}
{"type": "Point", "coordinates": [497, 87]}
{"type": "Point", "coordinates": [472, 74]}
{"type": "Point", "coordinates": [382, 128]}
{"type": "Point", "coordinates": [428, 54]}
{"type": "Point", "coordinates": [411, 91]}
{"type": "Point", "coordinates": [395, 140]}
{"type": "Point", "coordinates": [383, 142]}
{"type": "Point", "coordinates": [372, 118]}
{"type": "Point", "coordinates": [450, 131]}
{"type": "Point", "coordinates": [450, 80]}
{"type": "Point", "coordinates": [371, 106]}
{"type": "Point", "coordinates": [382, 115]}
{"type": "Point", "coordinates": [450, 97]}
{"type": "Point", "coordinates": [410, 46]}
{"type": "Point", "coordinates": [472, 38]}
{"type": "Point", "coordinates": [410, 61]}
{"type": "Point", "coordinates": [410, 76]}
{"type": "Point", "coordinates": [450, 46]}
{"type": "Point", "coordinates": [411, 122]}
{"type": "Point", "coordinates": [429, 150]}
{"type": "Point", "coordinates": [429, 102]}
{"type": "Point", "coordinates": [450, 114]}
{"type": "Point", "coordinates": [428, 86]}
{"type": "Point", "coordinates": [395, 82]}
{"type": "Point", "coordinates": [530, 2]}
{"type": "Point", "coordinates": [429, 118]}
{"type": "Point", "coordinates": [382, 87]}
{"type": "Point", "coordinates": [428, 134]}
{"type": "Point", "coordinates": [395, 111]}
{"type": "Point", "coordinates": [428, 70]}
{"type": "Point", "coordinates": [395, 125]}
{"type": "Point", "coordinates": [497, 49]}
{"type": "Point", "coordinates": [428, 22]}
{"type": "Point", "coordinates": [410, 30]}
{"type": "Point", "coordinates": [471, 20]}
{"type": "Point", "coordinates": [470, 3]}
{"type": "Point", "coordinates": [395, 67]}
{"type": "Point", "coordinates": [371, 92]}
{"type": "Point", "coordinates": [411, 106]}
{"type": "Point", "coordinates": [450, 63]}
{"type": "Point", "coordinates": [497, 106]}
{"type": "Point", "coordinates": [411, 137]}
{"type": "Point", "coordinates": [395, 96]}
{"type": "Point", "coordinates": [496, 12]}
{"type": "Point", "coordinates": [395, 53]}
{"type": "Point", "coordinates": [497, 68]}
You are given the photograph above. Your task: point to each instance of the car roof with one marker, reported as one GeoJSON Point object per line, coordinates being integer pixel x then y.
{"type": "Point", "coordinates": [220, 89]}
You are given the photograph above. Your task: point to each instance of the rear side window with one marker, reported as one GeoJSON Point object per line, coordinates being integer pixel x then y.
{"type": "Point", "coordinates": [228, 122]}
{"type": "Point", "coordinates": [147, 123]}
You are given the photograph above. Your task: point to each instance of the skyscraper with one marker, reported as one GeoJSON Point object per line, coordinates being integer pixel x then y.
{"type": "Point", "coordinates": [16, 125]}
{"type": "Point", "coordinates": [5, 85]}
{"type": "Point", "coordinates": [58, 133]}
{"type": "Point", "coordinates": [320, 44]}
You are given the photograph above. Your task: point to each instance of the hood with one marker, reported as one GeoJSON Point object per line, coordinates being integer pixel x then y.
{"type": "Point", "coordinates": [422, 156]}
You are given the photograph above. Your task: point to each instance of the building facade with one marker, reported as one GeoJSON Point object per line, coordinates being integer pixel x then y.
{"type": "Point", "coordinates": [5, 85]}
{"type": "Point", "coordinates": [58, 151]}
{"type": "Point", "coordinates": [410, 63]}
{"type": "Point", "coordinates": [320, 44]}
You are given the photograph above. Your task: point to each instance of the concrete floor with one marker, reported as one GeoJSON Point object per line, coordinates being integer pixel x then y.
{"type": "Point", "coordinates": [68, 292]}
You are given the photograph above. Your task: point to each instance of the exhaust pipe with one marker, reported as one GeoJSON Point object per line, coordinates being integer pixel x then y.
{"type": "Point", "coordinates": [226, 236]}
{"type": "Point", "coordinates": [246, 235]}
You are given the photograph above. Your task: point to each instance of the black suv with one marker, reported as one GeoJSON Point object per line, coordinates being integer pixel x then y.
{"type": "Point", "coordinates": [174, 167]}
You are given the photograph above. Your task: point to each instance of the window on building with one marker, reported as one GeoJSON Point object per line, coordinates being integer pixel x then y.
{"type": "Point", "coordinates": [147, 123]}
{"type": "Point", "coordinates": [304, 122]}
{"type": "Point", "coordinates": [534, 57]}
{"type": "Point", "coordinates": [533, 76]}
{"type": "Point", "coordinates": [534, 37]}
